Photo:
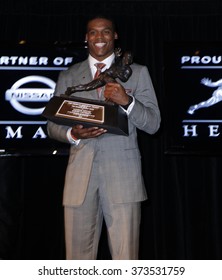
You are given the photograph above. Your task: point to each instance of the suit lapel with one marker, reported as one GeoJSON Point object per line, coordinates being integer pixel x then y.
{"type": "Point", "coordinates": [84, 77]}
{"type": "Point", "coordinates": [84, 73]}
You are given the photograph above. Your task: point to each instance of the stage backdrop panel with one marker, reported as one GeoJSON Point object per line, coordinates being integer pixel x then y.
{"type": "Point", "coordinates": [193, 95]}
{"type": "Point", "coordinates": [28, 75]}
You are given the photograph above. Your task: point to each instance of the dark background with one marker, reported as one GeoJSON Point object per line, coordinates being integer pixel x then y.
{"type": "Point", "coordinates": [182, 218]}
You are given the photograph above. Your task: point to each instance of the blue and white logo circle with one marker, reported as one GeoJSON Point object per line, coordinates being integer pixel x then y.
{"type": "Point", "coordinates": [18, 93]}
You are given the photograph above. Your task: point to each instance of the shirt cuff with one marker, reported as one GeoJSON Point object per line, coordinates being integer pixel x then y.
{"type": "Point", "coordinates": [70, 138]}
{"type": "Point", "coordinates": [130, 107]}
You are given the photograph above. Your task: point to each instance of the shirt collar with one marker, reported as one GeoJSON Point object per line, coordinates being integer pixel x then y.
{"type": "Point", "coordinates": [108, 61]}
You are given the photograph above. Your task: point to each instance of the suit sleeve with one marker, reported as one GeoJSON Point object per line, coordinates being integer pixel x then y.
{"type": "Point", "coordinates": [55, 131]}
{"type": "Point", "coordinates": [145, 114]}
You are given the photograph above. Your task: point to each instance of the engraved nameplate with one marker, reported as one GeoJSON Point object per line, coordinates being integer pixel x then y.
{"type": "Point", "coordinates": [81, 111]}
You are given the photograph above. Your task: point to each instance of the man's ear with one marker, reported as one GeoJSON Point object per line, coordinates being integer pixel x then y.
{"type": "Point", "coordinates": [115, 36]}
{"type": "Point", "coordinates": [86, 38]}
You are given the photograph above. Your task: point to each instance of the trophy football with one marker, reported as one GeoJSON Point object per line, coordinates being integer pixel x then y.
{"type": "Point", "coordinates": [69, 110]}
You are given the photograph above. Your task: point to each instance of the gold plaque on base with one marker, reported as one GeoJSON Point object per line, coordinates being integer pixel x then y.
{"type": "Point", "coordinates": [81, 111]}
{"type": "Point", "coordinates": [88, 112]}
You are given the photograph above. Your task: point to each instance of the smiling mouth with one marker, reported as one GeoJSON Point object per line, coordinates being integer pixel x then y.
{"type": "Point", "coordinates": [100, 45]}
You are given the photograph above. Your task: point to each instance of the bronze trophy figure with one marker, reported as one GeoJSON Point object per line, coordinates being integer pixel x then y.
{"type": "Point", "coordinates": [119, 69]}
{"type": "Point", "coordinates": [67, 109]}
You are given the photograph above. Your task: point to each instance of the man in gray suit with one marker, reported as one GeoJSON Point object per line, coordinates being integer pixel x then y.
{"type": "Point", "coordinates": [103, 177]}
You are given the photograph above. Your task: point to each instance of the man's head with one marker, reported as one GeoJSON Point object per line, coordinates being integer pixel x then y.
{"type": "Point", "coordinates": [127, 58]}
{"type": "Point", "coordinates": [100, 37]}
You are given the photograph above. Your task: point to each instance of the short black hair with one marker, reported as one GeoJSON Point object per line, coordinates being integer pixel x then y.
{"type": "Point", "coordinates": [100, 16]}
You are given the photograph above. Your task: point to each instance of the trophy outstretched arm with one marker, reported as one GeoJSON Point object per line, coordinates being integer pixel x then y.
{"type": "Point", "coordinates": [85, 87]}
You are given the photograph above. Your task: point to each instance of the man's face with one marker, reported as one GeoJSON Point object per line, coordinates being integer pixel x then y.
{"type": "Point", "coordinates": [100, 37]}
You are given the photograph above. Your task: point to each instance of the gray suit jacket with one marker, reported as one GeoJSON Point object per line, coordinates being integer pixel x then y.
{"type": "Point", "coordinates": [120, 154]}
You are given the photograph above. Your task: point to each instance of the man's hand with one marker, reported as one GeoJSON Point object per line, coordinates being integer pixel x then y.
{"type": "Point", "coordinates": [79, 132]}
{"type": "Point", "coordinates": [116, 93]}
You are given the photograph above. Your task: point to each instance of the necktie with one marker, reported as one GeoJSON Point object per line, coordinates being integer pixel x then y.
{"type": "Point", "coordinates": [99, 67]}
